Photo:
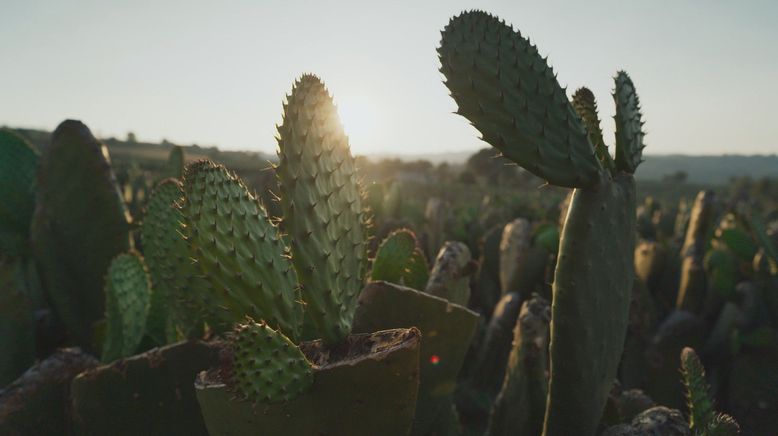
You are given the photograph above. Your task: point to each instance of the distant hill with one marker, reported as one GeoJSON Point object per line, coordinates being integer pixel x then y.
{"type": "Point", "coordinates": [711, 170]}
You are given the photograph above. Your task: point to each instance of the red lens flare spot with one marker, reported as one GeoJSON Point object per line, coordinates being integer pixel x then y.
{"type": "Point", "coordinates": [434, 359]}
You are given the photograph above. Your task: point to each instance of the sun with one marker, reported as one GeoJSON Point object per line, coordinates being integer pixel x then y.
{"type": "Point", "coordinates": [359, 119]}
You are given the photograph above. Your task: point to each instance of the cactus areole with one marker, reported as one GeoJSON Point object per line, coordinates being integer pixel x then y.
{"type": "Point", "coordinates": [506, 89]}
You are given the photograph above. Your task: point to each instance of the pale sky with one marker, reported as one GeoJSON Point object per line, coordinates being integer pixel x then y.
{"type": "Point", "coordinates": [216, 72]}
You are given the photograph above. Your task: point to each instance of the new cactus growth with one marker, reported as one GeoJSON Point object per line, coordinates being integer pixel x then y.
{"type": "Point", "coordinates": [127, 299]}
{"type": "Point", "coordinates": [400, 260]}
{"type": "Point", "coordinates": [238, 249]}
{"type": "Point", "coordinates": [322, 207]}
{"type": "Point", "coordinates": [510, 94]}
{"type": "Point", "coordinates": [17, 183]}
{"type": "Point", "coordinates": [703, 419]}
{"type": "Point", "coordinates": [266, 366]}
{"type": "Point", "coordinates": [585, 106]}
{"type": "Point", "coordinates": [450, 275]}
{"type": "Point", "coordinates": [79, 226]}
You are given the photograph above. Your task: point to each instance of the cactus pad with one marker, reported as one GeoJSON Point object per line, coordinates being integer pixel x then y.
{"type": "Point", "coordinates": [267, 367]}
{"type": "Point", "coordinates": [510, 94]}
{"type": "Point", "coordinates": [322, 207]}
{"type": "Point", "coordinates": [629, 126]}
{"type": "Point", "coordinates": [127, 299]}
{"type": "Point", "coordinates": [399, 260]}
{"type": "Point", "coordinates": [17, 183]}
{"type": "Point", "coordinates": [238, 249]}
{"type": "Point", "coordinates": [586, 107]}
{"type": "Point", "coordinates": [449, 277]}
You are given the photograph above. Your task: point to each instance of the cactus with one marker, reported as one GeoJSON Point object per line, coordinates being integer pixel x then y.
{"type": "Point", "coordinates": [149, 393]}
{"type": "Point", "coordinates": [585, 106]}
{"type": "Point", "coordinates": [521, 403]}
{"type": "Point", "coordinates": [238, 249]}
{"type": "Point", "coordinates": [692, 289]}
{"type": "Point", "coordinates": [369, 386]}
{"type": "Point", "coordinates": [446, 330]}
{"type": "Point", "coordinates": [127, 299]}
{"type": "Point", "coordinates": [79, 226]}
{"type": "Point", "coordinates": [17, 183]}
{"type": "Point", "coordinates": [507, 91]}
{"type": "Point", "coordinates": [17, 325]}
{"type": "Point", "coordinates": [266, 366]}
{"type": "Point", "coordinates": [656, 421]}
{"type": "Point", "coordinates": [703, 419]}
{"type": "Point", "coordinates": [436, 215]}
{"type": "Point", "coordinates": [174, 167]}
{"type": "Point", "coordinates": [322, 206]}
{"type": "Point", "coordinates": [487, 289]}
{"type": "Point", "coordinates": [399, 260]}
{"type": "Point", "coordinates": [36, 403]}
{"type": "Point", "coordinates": [182, 297]}
{"type": "Point", "coordinates": [515, 242]}
{"type": "Point", "coordinates": [450, 275]}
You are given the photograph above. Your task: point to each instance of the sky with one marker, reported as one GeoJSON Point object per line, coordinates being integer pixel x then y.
{"type": "Point", "coordinates": [216, 73]}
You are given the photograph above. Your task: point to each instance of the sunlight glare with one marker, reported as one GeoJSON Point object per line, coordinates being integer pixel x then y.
{"type": "Point", "coordinates": [359, 119]}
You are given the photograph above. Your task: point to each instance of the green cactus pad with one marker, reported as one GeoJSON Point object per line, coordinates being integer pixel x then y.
{"type": "Point", "coordinates": [400, 261]}
{"type": "Point", "coordinates": [366, 386]}
{"type": "Point", "coordinates": [510, 94]}
{"type": "Point", "coordinates": [127, 299]}
{"type": "Point", "coordinates": [446, 329]}
{"type": "Point", "coordinates": [449, 277]}
{"type": "Point", "coordinates": [17, 324]}
{"type": "Point", "coordinates": [182, 296]}
{"type": "Point", "coordinates": [17, 183]}
{"type": "Point", "coordinates": [594, 276]}
{"type": "Point", "coordinates": [80, 225]}
{"type": "Point", "coordinates": [238, 249]}
{"type": "Point", "coordinates": [174, 167]}
{"type": "Point", "coordinates": [629, 127]}
{"type": "Point", "coordinates": [150, 393]}
{"type": "Point", "coordinates": [322, 207]}
{"type": "Point", "coordinates": [266, 366]}
{"type": "Point", "coordinates": [585, 106]}
{"type": "Point", "coordinates": [692, 288]}
{"type": "Point", "coordinates": [698, 399]}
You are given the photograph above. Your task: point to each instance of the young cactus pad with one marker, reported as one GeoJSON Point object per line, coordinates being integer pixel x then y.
{"type": "Point", "coordinates": [267, 366]}
{"type": "Point", "coordinates": [510, 94]}
{"type": "Point", "coordinates": [238, 249]}
{"type": "Point", "coordinates": [399, 260]}
{"type": "Point", "coordinates": [322, 205]}
{"type": "Point", "coordinates": [17, 183]}
{"type": "Point", "coordinates": [127, 299]}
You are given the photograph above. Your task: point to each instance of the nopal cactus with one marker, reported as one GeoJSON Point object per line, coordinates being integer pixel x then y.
{"type": "Point", "coordinates": [17, 183]}
{"type": "Point", "coordinates": [400, 260]}
{"type": "Point", "coordinates": [238, 249]}
{"type": "Point", "coordinates": [510, 94]}
{"type": "Point", "coordinates": [322, 207]}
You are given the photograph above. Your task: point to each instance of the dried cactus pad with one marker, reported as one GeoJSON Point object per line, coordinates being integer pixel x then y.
{"type": "Point", "coordinates": [267, 367]}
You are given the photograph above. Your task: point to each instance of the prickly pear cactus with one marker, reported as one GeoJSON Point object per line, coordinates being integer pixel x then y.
{"type": "Point", "coordinates": [174, 167]}
{"type": "Point", "coordinates": [450, 275]}
{"type": "Point", "coordinates": [585, 106]}
{"type": "Point", "coordinates": [510, 94]}
{"type": "Point", "coordinates": [399, 260]}
{"type": "Point", "coordinates": [17, 183]}
{"type": "Point", "coordinates": [699, 402]}
{"type": "Point", "coordinates": [692, 289]}
{"type": "Point", "coordinates": [515, 242]}
{"type": "Point", "coordinates": [80, 225]}
{"type": "Point", "coordinates": [127, 299]}
{"type": "Point", "coordinates": [520, 406]}
{"type": "Point", "coordinates": [436, 215]}
{"type": "Point", "coordinates": [180, 290]}
{"type": "Point", "coordinates": [266, 366]}
{"type": "Point", "coordinates": [322, 207]}
{"type": "Point", "coordinates": [238, 249]}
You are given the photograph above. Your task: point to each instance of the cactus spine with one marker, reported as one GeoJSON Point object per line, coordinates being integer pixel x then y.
{"type": "Point", "coordinates": [506, 89]}
{"type": "Point", "coordinates": [322, 207]}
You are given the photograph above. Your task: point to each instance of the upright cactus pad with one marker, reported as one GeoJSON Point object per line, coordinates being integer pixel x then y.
{"type": "Point", "coordinates": [174, 167]}
{"type": "Point", "coordinates": [449, 277]}
{"type": "Point", "coordinates": [17, 183]}
{"type": "Point", "coordinates": [509, 93]}
{"type": "Point", "coordinates": [629, 126]}
{"type": "Point", "coordinates": [399, 260]}
{"type": "Point", "coordinates": [128, 295]}
{"type": "Point", "coordinates": [698, 398]}
{"type": "Point", "coordinates": [586, 107]}
{"type": "Point", "coordinates": [692, 288]}
{"type": "Point", "coordinates": [267, 367]}
{"type": "Point", "coordinates": [187, 296]}
{"type": "Point", "coordinates": [322, 205]}
{"type": "Point", "coordinates": [238, 249]}
{"type": "Point", "coordinates": [80, 225]}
